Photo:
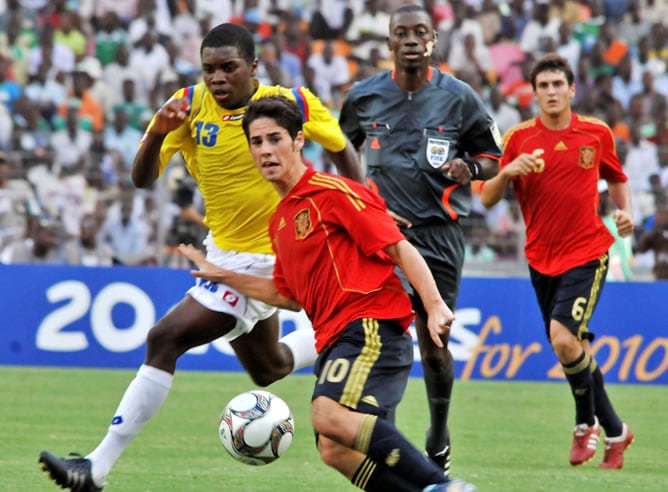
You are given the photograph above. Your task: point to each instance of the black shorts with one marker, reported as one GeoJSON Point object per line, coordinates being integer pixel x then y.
{"type": "Point", "coordinates": [367, 367]}
{"type": "Point", "coordinates": [442, 247]}
{"type": "Point", "coordinates": [570, 298]}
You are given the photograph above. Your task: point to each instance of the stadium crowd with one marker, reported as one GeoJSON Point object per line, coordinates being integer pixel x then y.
{"type": "Point", "coordinates": [80, 80]}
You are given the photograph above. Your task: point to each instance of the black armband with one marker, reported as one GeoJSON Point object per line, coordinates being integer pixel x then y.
{"type": "Point", "coordinates": [475, 167]}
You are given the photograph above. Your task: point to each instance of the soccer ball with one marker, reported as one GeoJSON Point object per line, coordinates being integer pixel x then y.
{"type": "Point", "coordinates": [256, 427]}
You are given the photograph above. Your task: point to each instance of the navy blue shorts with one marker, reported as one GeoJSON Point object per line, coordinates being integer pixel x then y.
{"type": "Point", "coordinates": [366, 369]}
{"type": "Point", "coordinates": [570, 298]}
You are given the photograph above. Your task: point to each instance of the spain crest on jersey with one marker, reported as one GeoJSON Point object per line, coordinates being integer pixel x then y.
{"type": "Point", "coordinates": [437, 151]}
{"type": "Point", "coordinates": [303, 224]}
{"type": "Point", "coordinates": [586, 157]}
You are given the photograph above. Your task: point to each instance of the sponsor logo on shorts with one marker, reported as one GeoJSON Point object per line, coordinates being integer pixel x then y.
{"type": "Point", "coordinates": [230, 298]}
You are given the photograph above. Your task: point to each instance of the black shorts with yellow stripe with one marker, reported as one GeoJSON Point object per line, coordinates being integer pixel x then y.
{"type": "Point", "coordinates": [570, 298]}
{"type": "Point", "coordinates": [366, 369]}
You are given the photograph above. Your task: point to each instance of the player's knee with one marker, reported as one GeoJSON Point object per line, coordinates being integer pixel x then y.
{"type": "Point", "coordinates": [328, 418]}
{"type": "Point", "coordinates": [329, 452]}
{"type": "Point", "coordinates": [435, 358]}
{"type": "Point", "coordinates": [264, 376]}
{"type": "Point", "coordinates": [160, 337]}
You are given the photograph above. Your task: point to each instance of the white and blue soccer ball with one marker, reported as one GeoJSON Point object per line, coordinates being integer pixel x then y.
{"type": "Point", "coordinates": [256, 427]}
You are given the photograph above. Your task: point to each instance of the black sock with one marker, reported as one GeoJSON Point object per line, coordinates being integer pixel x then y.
{"type": "Point", "coordinates": [605, 412]}
{"type": "Point", "coordinates": [582, 386]}
{"type": "Point", "coordinates": [438, 383]}
{"type": "Point", "coordinates": [376, 477]}
{"type": "Point", "coordinates": [383, 443]}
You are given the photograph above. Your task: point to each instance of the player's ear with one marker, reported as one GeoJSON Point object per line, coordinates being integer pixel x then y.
{"type": "Point", "coordinates": [298, 143]}
{"type": "Point", "coordinates": [253, 67]}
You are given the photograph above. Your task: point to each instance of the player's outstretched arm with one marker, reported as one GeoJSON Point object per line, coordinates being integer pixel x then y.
{"type": "Point", "coordinates": [262, 289]}
{"type": "Point", "coordinates": [347, 162]}
{"type": "Point", "coordinates": [494, 189]}
{"type": "Point", "coordinates": [439, 315]}
{"type": "Point", "coordinates": [146, 166]}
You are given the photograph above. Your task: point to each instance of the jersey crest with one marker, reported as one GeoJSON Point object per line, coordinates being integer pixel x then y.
{"type": "Point", "coordinates": [437, 151]}
{"type": "Point", "coordinates": [303, 224]}
{"type": "Point", "coordinates": [586, 157]}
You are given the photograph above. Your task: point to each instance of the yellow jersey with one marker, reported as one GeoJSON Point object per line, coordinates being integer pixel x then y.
{"type": "Point", "coordinates": [238, 200]}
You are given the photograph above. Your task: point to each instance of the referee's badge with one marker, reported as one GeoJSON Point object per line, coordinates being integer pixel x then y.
{"type": "Point", "coordinates": [437, 151]}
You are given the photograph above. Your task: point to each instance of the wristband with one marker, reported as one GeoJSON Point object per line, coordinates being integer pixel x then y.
{"type": "Point", "coordinates": [474, 167]}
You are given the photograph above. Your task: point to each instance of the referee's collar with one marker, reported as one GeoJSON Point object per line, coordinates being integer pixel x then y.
{"type": "Point", "coordinates": [430, 73]}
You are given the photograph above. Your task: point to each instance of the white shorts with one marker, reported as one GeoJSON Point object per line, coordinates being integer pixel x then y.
{"type": "Point", "coordinates": [224, 299]}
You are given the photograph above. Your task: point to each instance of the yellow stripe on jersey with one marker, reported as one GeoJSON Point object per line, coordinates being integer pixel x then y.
{"type": "Point", "coordinates": [238, 201]}
{"type": "Point", "coordinates": [336, 183]}
{"type": "Point", "coordinates": [520, 126]}
{"type": "Point", "coordinates": [359, 372]}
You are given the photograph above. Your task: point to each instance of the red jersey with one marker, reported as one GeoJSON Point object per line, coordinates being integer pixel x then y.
{"type": "Point", "coordinates": [328, 234]}
{"type": "Point", "coordinates": [560, 202]}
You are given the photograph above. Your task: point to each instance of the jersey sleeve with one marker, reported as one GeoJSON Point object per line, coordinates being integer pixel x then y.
{"type": "Point", "coordinates": [178, 140]}
{"type": "Point", "coordinates": [364, 215]}
{"type": "Point", "coordinates": [481, 135]}
{"type": "Point", "coordinates": [611, 169]}
{"type": "Point", "coordinates": [319, 124]}
{"type": "Point", "coordinates": [349, 121]}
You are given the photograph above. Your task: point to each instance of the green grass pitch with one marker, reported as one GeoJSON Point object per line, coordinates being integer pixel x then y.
{"type": "Point", "coordinates": [507, 436]}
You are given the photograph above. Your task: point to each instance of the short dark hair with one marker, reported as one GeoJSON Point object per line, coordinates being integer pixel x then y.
{"type": "Point", "coordinates": [229, 34]}
{"type": "Point", "coordinates": [282, 110]}
{"type": "Point", "coordinates": [552, 63]}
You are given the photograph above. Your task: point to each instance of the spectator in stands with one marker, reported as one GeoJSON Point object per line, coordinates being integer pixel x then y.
{"type": "Point", "coordinates": [331, 71]}
{"type": "Point", "coordinates": [91, 71]}
{"type": "Point", "coordinates": [89, 108]}
{"type": "Point", "coordinates": [471, 57]}
{"type": "Point", "coordinates": [634, 27]}
{"type": "Point", "coordinates": [295, 38]}
{"type": "Point", "coordinates": [48, 93]}
{"type": "Point", "coordinates": [19, 209]}
{"type": "Point", "coordinates": [32, 136]}
{"type": "Point", "coordinates": [16, 40]}
{"type": "Point", "coordinates": [489, 19]}
{"type": "Point", "coordinates": [109, 35]}
{"type": "Point", "coordinates": [127, 236]}
{"type": "Point", "coordinates": [270, 70]}
{"type": "Point", "coordinates": [477, 247]}
{"type": "Point", "coordinates": [539, 30]}
{"type": "Point", "coordinates": [568, 46]}
{"type": "Point", "coordinates": [72, 142]}
{"type": "Point", "coordinates": [514, 20]}
{"type": "Point", "coordinates": [505, 115]}
{"type": "Point", "coordinates": [90, 251]}
{"type": "Point", "coordinates": [640, 163]}
{"type": "Point", "coordinates": [42, 247]}
{"type": "Point", "coordinates": [115, 73]}
{"type": "Point", "coordinates": [138, 114]}
{"type": "Point", "coordinates": [148, 58]}
{"type": "Point", "coordinates": [656, 238]}
{"type": "Point", "coordinates": [623, 83]}
{"type": "Point", "coordinates": [10, 90]}
{"type": "Point", "coordinates": [122, 138]}
{"type": "Point", "coordinates": [60, 57]}
{"type": "Point", "coordinates": [68, 34]}
{"type": "Point", "coordinates": [330, 19]}
{"type": "Point", "coordinates": [368, 31]}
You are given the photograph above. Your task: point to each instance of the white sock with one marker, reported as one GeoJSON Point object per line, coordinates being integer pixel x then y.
{"type": "Point", "coordinates": [302, 345]}
{"type": "Point", "coordinates": [143, 397]}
